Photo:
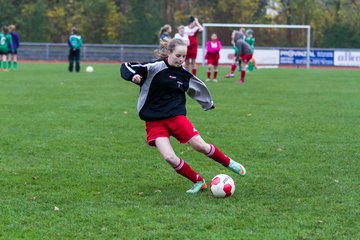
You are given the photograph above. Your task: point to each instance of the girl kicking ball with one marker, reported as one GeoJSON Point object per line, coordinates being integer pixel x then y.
{"type": "Point", "coordinates": [161, 105]}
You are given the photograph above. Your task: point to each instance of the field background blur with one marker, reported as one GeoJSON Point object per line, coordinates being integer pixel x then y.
{"type": "Point", "coordinates": [335, 23]}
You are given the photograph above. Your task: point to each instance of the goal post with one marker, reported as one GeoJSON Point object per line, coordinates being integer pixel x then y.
{"type": "Point", "coordinates": [227, 25]}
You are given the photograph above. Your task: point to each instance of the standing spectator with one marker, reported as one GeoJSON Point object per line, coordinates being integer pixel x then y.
{"type": "Point", "coordinates": [165, 35]}
{"type": "Point", "coordinates": [75, 42]}
{"type": "Point", "coordinates": [12, 56]}
{"type": "Point", "coordinates": [181, 35]}
{"type": "Point", "coordinates": [5, 42]}
{"type": "Point", "coordinates": [213, 48]}
{"type": "Point", "coordinates": [192, 29]}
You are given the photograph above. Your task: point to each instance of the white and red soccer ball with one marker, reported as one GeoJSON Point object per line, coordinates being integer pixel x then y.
{"type": "Point", "coordinates": [222, 185]}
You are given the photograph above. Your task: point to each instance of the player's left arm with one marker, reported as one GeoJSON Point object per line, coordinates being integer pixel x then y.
{"type": "Point", "coordinates": [199, 92]}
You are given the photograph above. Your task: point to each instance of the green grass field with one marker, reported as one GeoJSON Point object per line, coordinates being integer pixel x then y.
{"type": "Point", "coordinates": [75, 142]}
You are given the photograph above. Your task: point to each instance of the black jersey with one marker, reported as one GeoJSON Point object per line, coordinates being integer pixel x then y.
{"type": "Point", "coordinates": [163, 88]}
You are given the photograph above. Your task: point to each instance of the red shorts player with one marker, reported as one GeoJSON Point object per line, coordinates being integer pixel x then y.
{"type": "Point", "coordinates": [192, 30]}
{"type": "Point", "coordinates": [244, 54]}
{"type": "Point", "coordinates": [213, 48]}
{"type": "Point", "coordinates": [161, 104]}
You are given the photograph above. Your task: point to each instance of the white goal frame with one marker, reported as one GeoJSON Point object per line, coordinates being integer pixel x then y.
{"type": "Point", "coordinates": [227, 25]}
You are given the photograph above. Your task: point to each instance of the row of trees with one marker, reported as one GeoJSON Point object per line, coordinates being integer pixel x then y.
{"type": "Point", "coordinates": [335, 23]}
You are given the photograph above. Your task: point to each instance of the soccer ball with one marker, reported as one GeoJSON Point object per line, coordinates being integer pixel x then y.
{"type": "Point", "coordinates": [89, 69]}
{"type": "Point", "coordinates": [222, 185]}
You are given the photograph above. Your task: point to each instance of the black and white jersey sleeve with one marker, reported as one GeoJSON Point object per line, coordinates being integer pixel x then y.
{"type": "Point", "coordinates": [128, 70]}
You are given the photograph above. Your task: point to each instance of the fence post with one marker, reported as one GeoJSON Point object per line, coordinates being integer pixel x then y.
{"type": "Point", "coordinates": [121, 53]}
{"type": "Point", "coordinates": [47, 51]}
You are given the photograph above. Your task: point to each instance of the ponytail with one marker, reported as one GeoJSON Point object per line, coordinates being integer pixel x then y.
{"type": "Point", "coordinates": [162, 53]}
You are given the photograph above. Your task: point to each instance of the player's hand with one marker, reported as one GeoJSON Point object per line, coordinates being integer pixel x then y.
{"type": "Point", "coordinates": [136, 79]}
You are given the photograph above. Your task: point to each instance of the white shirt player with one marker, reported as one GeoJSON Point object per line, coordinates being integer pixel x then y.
{"type": "Point", "coordinates": [185, 38]}
{"type": "Point", "coordinates": [191, 31]}
{"type": "Point", "coordinates": [192, 34]}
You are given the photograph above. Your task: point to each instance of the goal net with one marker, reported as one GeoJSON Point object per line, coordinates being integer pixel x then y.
{"type": "Point", "coordinates": [270, 39]}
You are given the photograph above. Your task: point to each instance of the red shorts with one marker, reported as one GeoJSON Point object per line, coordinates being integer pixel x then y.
{"type": "Point", "coordinates": [213, 59]}
{"type": "Point", "coordinates": [179, 127]}
{"type": "Point", "coordinates": [246, 57]}
{"type": "Point", "coordinates": [191, 52]}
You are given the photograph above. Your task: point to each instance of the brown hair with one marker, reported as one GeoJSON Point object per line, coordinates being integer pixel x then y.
{"type": "Point", "coordinates": [162, 53]}
{"type": "Point", "coordinates": [5, 29]}
{"type": "Point", "coordinates": [164, 28]}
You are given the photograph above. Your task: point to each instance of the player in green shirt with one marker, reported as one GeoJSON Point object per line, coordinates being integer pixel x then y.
{"type": "Point", "coordinates": [5, 42]}
{"type": "Point", "coordinates": [251, 41]}
{"type": "Point", "coordinates": [74, 42]}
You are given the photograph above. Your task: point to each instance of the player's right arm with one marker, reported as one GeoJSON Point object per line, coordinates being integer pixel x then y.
{"type": "Point", "coordinates": [198, 25]}
{"type": "Point", "coordinates": [134, 72]}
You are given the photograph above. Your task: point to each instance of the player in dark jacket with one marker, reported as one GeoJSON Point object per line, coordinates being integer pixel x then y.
{"type": "Point", "coordinates": [161, 105]}
{"type": "Point", "coordinates": [75, 43]}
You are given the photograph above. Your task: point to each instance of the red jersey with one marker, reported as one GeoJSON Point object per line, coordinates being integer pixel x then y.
{"type": "Point", "coordinates": [192, 34]}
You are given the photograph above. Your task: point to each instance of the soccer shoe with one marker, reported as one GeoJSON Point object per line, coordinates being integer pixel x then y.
{"type": "Point", "coordinates": [215, 80]}
{"type": "Point", "coordinates": [241, 81]}
{"type": "Point", "coordinates": [229, 75]}
{"type": "Point", "coordinates": [237, 167]}
{"type": "Point", "coordinates": [207, 80]}
{"type": "Point", "coordinates": [199, 186]}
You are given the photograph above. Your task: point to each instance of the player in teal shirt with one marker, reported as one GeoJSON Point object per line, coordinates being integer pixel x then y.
{"type": "Point", "coordinates": [5, 42]}
{"type": "Point", "coordinates": [75, 43]}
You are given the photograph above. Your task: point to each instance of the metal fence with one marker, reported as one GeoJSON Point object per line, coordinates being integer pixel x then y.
{"type": "Point", "coordinates": [89, 52]}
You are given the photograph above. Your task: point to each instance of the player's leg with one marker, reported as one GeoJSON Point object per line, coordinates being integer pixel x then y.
{"type": "Point", "coordinates": [193, 66]}
{"type": "Point", "coordinates": [254, 63]}
{"type": "Point", "coordinates": [232, 69]}
{"type": "Point", "coordinates": [243, 71]}
{"type": "Point", "coordinates": [77, 60]}
{"type": "Point", "coordinates": [216, 64]}
{"type": "Point", "coordinates": [250, 66]}
{"type": "Point", "coordinates": [216, 154]}
{"type": "Point", "coordinates": [71, 60]}
{"type": "Point", "coordinates": [9, 56]}
{"type": "Point", "coordinates": [208, 72]}
{"type": "Point", "coordinates": [180, 166]}
{"type": "Point", "coordinates": [215, 73]}
{"type": "Point", "coordinates": [15, 59]}
{"type": "Point", "coordinates": [1, 60]}
{"type": "Point", "coordinates": [4, 62]}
